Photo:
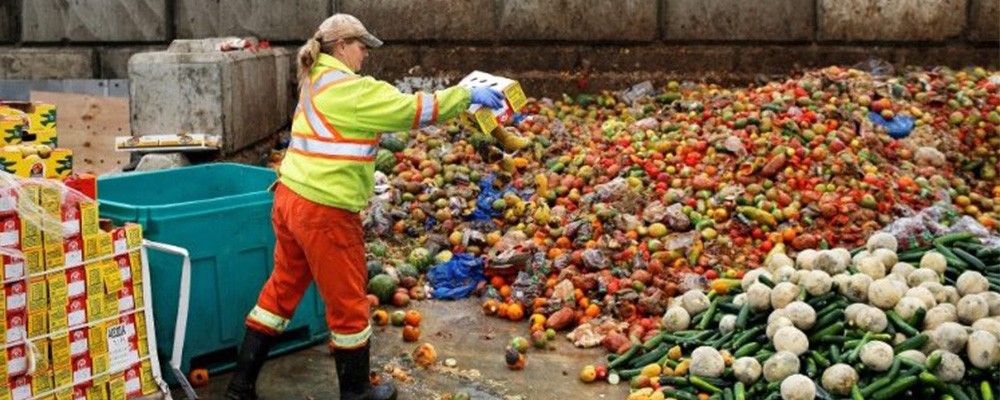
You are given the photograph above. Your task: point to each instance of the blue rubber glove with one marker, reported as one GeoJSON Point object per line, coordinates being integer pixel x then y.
{"type": "Point", "coordinates": [487, 97]}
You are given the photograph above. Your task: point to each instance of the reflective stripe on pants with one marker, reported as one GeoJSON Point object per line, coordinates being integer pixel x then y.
{"type": "Point", "coordinates": [325, 244]}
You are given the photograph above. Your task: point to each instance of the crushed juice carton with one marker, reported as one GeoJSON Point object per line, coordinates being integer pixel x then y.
{"type": "Point", "coordinates": [36, 161]}
{"type": "Point", "coordinates": [13, 125]}
{"type": "Point", "coordinates": [41, 127]}
{"type": "Point", "coordinates": [488, 119]}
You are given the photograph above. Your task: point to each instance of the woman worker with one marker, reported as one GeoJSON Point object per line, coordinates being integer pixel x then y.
{"type": "Point", "coordinates": [325, 180]}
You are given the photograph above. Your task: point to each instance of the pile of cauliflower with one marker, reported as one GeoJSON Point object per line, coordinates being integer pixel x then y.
{"type": "Point", "coordinates": [962, 321]}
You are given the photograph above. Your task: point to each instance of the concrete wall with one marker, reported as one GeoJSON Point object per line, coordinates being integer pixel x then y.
{"type": "Point", "coordinates": [553, 45]}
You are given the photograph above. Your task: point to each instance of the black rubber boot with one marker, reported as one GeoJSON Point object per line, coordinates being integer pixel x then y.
{"type": "Point", "coordinates": [250, 359]}
{"type": "Point", "coordinates": [353, 375]}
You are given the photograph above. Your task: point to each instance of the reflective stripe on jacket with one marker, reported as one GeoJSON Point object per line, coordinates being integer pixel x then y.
{"type": "Point", "coordinates": [335, 131]}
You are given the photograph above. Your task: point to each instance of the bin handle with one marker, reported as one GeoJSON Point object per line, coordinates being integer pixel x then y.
{"type": "Point", "coordinates": [180, 327]}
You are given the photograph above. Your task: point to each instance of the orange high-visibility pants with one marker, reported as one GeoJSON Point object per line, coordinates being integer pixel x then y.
{"type": "Point", "coordinates": [321, 243]}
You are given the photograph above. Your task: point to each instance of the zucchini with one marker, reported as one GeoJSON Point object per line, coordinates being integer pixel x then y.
{"type": "Point", "coordinates": [739, 392]}
{"type": "Point", "coordinates": [956, 391]}
{"type": "Point", "coordinates": [675, 381]}
{"type": "Point", "coordinates": [933, 361]}
{"type": "Point", "coordinates": [835, 353]}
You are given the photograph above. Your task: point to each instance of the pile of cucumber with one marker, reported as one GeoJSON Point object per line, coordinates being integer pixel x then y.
{"type": "Point", "coordinates": [919, 364]}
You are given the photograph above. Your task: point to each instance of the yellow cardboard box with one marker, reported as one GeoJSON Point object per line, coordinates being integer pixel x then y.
{"type": "Point", "coordinates": [99, 245]}
{"type": "Point", "coordinates": [31, 162]}
{"type": "Point", "coordinates": [41, 127]}
{"type": "Point", "coordinates": [89, 219]}
{"type": "Point", "coordinates": [13, 125]}
{"type": "Point", "coordinates": [488, 119]}
{"type": "Point", "coordinates": [33, 259]}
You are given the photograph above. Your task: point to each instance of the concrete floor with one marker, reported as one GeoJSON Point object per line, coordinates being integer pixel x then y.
{"type": "Point", "coordinates": [457, 330]}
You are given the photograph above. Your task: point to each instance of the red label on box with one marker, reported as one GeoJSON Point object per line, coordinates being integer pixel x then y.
{"type": "Point", "coordinates": [80, 391]}
{"type": "Point", "coordinates": [125, 266]}
{"type": "Point", "coordinates": [133, 381]}
{"type": "Point", "coordinates": [20, 387]}
{"type": "Point", "coordinates": [76, 282]}
{"type": "Point", "coordinates": [82, 367]}
{"type": "Point", "coordinates": [17, 295]}
{"type": "Point", "coordinates": [120, 240]}
{"type": "Point", "coordinates": [71, 220]}
{"type": "Point", "coordinates": [8, 200]}
{"type": "Point", "coordinates": [13, 268]}
{"type": "Point", "coordinates": [73, 250]}
{"type": "Point", "coordinates": [17, 360]}
{"type": "Point", "coordinates": [10, 231]}
{"type": "Point", "coordinates": [76, 312]}
{"type": "Point", "coordinates": [78, 342]}
{"type": "Point", "coordinates": [126, 298]}
{"type": "Point", "coordinates": [17, 326]}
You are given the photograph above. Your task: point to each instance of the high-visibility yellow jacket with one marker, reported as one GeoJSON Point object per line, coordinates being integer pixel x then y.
{"type": "Point", "coordinates": [336, 127]}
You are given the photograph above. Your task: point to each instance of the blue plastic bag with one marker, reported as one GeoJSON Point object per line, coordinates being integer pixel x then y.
{"type": "Point", "coordinates": [898, 127]}
{"type": "Point", "coordinates": [456, 278]}
{"type": "Point", "coordinates": [484, 203]}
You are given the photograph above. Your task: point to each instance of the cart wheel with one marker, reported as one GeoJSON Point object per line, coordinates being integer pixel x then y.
{"type": "Point", "coordinates": [198, 377]}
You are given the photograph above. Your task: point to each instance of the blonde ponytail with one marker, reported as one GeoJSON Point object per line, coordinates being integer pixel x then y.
{"type": "Point", "coordinates": [308, 54]}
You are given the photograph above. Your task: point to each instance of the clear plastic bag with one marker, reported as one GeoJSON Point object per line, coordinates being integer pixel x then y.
{"type": "Point", "coordinates": [654, 212]}
{"type": "Point", "coordinates": [676, 219]}
{"type": "Point", "coordinates": [40, 204]}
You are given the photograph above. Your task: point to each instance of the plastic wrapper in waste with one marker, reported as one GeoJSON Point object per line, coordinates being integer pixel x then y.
{"type": "Point", "coordinates": [456, 278]}
{"type": "Point", "coordinates": [937, 220]}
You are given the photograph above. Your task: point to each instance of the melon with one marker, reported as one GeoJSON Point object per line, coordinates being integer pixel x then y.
{"type": "Point", "coordinates": [374, 268]}
{"type": "Point", "coordinates": [383, 287]}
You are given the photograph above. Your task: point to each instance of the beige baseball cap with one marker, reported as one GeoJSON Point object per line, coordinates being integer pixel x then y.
{"type": "Point", "coordinates": [346, 26]}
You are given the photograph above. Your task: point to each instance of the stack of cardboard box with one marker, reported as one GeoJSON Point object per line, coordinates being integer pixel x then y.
{"type": "Point", "coordinates": [30, 141]}
{"type": "Point", "coordinates": [73, 301]}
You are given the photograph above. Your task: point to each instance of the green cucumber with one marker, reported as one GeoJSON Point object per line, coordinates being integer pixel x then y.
{"type": "Point", "coordinates": [708, 314]}
{"type": "Point", "coordinates": [741, 318]}
{"type": "Point", "coordinates": [953, 237]}
{"type": "Point", "coordinates": [739, 392]}
{"type": "Point", "coordinates": [900, 324]}
{"type": "Point", "coordinates": [914, 342]}
{"type": "Point", "coordinates": [747, 349]}
{"type": "Point", "coordinates": [700, 383]}
{"type": "Point", "coordinates": [856, 393]}
{"type": "Point", "coordinates": [969, 259]}
{"type": "Point", "coordinates": [895, 388]}
{"type": "Point", "coordinates": [626, 356]}
{"type": "Point", "coordinates": [985, 390]}
{"type": "Point", "coordinates": [827, 331]}
{"type": "Point", "coordinates": [650, 357]}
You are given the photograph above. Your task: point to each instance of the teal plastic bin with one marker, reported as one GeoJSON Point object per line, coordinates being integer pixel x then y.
{"type": "Point", "coordinates": [221, 213]}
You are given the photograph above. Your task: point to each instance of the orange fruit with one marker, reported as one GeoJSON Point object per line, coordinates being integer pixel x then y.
{"type": "Point", "coordinates": [491, 307]}
{"type": "Point", "coordinates": [381, 317]}
{"type": "Point", "coordinates": [411, 333]}
{"type": "Point", "coordinates": [497, 282]}
{"type": "Point", "coordinates": [412, 318]}
{"type": "Point", "coordinates": [505, 291]}
{"type": "Point", "coordinates": [593, 310]}
{"type": "Point", "coordinates": [198, 377]}
{"type": "Point", "coordinates": [515, 312]}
